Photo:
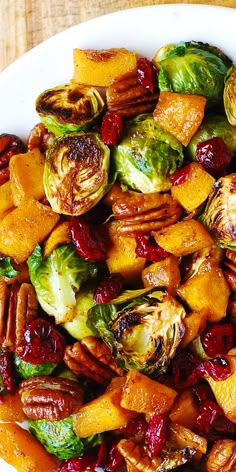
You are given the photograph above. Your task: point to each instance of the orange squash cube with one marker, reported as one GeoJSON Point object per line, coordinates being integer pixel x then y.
{"type": "Point", "coordinates": [11, 408]}
{"type": "Point", "coordinates": [194, 324]}
{"type": "Point", "coordinates": [180, 114]}
{"type": "Point", "coordinates": [185, 409]}
{"type": "Point", "coordinates": [164, 273]}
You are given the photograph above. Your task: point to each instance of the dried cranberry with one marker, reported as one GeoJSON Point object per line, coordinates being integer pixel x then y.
{"type": "Point", "coordinates": [109, 288]}
{"type": "Point", "coordinates": [156, 433]}
{"type": "Point", "coordinates": [115, 459]}
{"type": "Point", "coordinates": [135, 426]}
{"type": "Point", "coordinates": [217, 368]}
{"type": "Point", "coordinates": [10, 144]}
{"type": "Point", "coordinates": [41, 342]}
{"type": "Point", "coordinates": [148, 248]}
{"type": "Point", "coordinates": [6, 370]}
{"type": "Point", "coordinates": [183, 368]}
{"type": "Point", "coordinates": [89, 240]}
{"type": "Point", "coordinates": [203, 392]}
{"type": "Point", "coordinates": [212, 423]}
{"type": "Point", "coordinates": [78, 464]}
{"type": "Point", "coordinates": [218, 338]}
{"type": "Point", "coordinates": [214, 156]}
{"type": "Point", "coordinates": [147, 74]}
{"type": "Point", "coordinates": [111, 129]}
{"type": "Point", "coordinates": [180, 175]}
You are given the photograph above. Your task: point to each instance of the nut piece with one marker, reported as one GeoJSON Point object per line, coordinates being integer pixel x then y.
{"type": "Point", "coordinates": [50, 398]}
{"type": "Point", "coordinates": [18, 306]}
{"type": "Point", "coordinates": [146, 212]}
{"type": "Point", "coordinates": [91, 358]}
{"type": "Point", "coordinates": [222, 456]}
{"type": "Point", "coordinates": [135, 456]}
{"type": "Point", "coordinates": [127, 97]}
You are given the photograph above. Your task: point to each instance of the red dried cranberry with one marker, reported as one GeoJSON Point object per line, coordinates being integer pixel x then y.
{"type": "Point", "coordinates": [135, 426]}
{"type": "Point", "coordinates": [109, 288]}
{"type": "Point", "coordinates": [212, 423]}
{"type": "Point", "coordinates": [115, 459]}
{"type": "Point", "coordinates": [218, 338]}
{"type": "Point", "coordinates": [203, 392]}
{"type": "Point", "coordinates": [41, 342]}
{"type": "Point", "coordinates": [111, 129]}
{"type": "Point", "coordinates": [180, 175]}
{"type": "Point", "coordinates": [147, 74]}
{"type": "Point", "coordinates": [183, 368]}
{"type": "Point", "coordinates": [217, 368]}
{"type": "Point", "coordinates": [6, 370]}
{"type": "Point", "coordinates": [10, 144]}
{"type": "Point", "coordinates": [89, 240]}
{"type": "Point", "coordinates": [148, 248]}
{"type": "Point", "coordinates": [156, 434]}
{"type": "Point", "coordinates": [214, 156]}
{"type": "Point", "coordinates": [78, 464]}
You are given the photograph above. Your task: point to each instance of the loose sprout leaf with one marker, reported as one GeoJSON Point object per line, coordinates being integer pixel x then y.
{"type": "Point", "coordinates": [7, 269]}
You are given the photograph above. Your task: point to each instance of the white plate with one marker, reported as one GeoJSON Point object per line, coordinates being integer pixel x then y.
{"type": "Point", "coordinates": [143, 29]}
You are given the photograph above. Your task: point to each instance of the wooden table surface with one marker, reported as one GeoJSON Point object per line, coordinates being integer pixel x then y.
{"type": "Point", "coordinates": [26, 23]}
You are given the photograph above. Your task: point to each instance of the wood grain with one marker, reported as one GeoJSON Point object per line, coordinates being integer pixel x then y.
{"type": "Point", "coordinates": [26, 23]}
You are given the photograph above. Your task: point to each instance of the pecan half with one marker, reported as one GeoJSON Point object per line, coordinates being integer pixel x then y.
{"type": "Point", "coordinates": [146, 212]}
{"type": "Point", "coordinates": [230, 268]}
{"type": "Point", "coordinates": [135, 456]}
{"type": "Point", "coordinates": [222, 456]}
{"type": "Point", "coordinates": [39, 137]}
{"type": "Point", "coordinates": [50, 398]}
{"type": "Point", "coordinates": [18, 306]}
{"type": "Point", "coordinates": [91, 358]}
{"type": "Point", "coordinates": [128, 97]}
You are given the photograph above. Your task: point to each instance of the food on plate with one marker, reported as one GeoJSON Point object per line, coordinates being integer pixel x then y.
{"type": "Point", "coordinates": [118, 268]}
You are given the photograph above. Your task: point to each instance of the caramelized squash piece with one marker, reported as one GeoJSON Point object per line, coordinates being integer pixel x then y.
{"type": "Point", "coordinates": [26, 176]}
{"type": "Point", "coordinates": [194, 324]}
{"type": "Point", "coordinates": [185, 409]}
{"type": "Point", "coordinates": [6, 199]}
{"type": "Point", "coordinates": [59, 235]}
{"type": "Point", "coordinates": [207, 290]}
{"type": "Point", "coordinates": [180, 114]}
{"type": "Point", "coordinates": [144, 395]}
{"type": "Point", "coordinates": [104, 413]}
{"type": "Point", "coordinates": [121, 256]}
{"type": "Point", "coordinates": [195, 189]}
{"type": "Point", "coordinates": [164, 273]}
{"type": "Point", "coordinates": [21, 450]}
{"type": "Point", "coordinates": [101, 67]}
{"type": "Point", "coordinates": [24, 227]}
{"type": "Point", "coordinates": [11, 408]}
{"type": "Point", "coordinates": [184, 237]}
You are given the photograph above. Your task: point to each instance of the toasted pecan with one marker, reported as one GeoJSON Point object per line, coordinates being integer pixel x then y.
{"type": "Point", "coordinates": [91, 358]}
{"type": "Point", "coordinates": [18, 306]}
{"type": "Point", "coordinates": [230, 269]}
{"type": "Point", "coordinates": [128, 97]}
{"type": "Point", "coordinates": [50, 398]}
{"type": "Point", "coordinates": [222, 456]}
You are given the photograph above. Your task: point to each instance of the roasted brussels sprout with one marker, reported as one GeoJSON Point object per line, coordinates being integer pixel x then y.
{"type": "Point", "coordinates": [26, 370]}
{"type": "Point", "coordinates": [219, 215]}
{"type": "Point", "coordinates": [142, 333]}
{"type": "Point", "coordinates": [213, 125]}
{"type": "Point", "coordinates": [58, 278]}
{"type": "Point", "coordinates": [77, 327]}
{"type": "Point", "coordinates": [69, 108]}
{"type": "Point", "coordinates": [147, 155]}
{"type": "Point", "coordinates": [230, 95]}
{"type": "Point", "coordinates": [192, 67]}
{"type": "Point", "coordinates": [76, 172]}
{"type": "Point", "coordinates": [59, 438]}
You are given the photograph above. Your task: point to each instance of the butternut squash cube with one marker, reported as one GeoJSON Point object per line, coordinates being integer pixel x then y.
{"type": "Point", "coordinates": [101, 67]}
{"type": "Point", "coordinates": [164, 273]}
{"type": "Point", "coordinates": [207, 290]}
{"type": "Point", "coordinates": [224, 390]}
{"type": "Point", "coordinates": [184, 237]}
{"type": "Point", "coordinates": [121, 256]}
{"type": "Point", "coordinates": [21, 450]}
{"type": "Point", "coordinates": [195, 189]}
{"type": "Point", "coordinates": [145, 395]}
{"type": "Point", "coordinates": [185, 409]}
{"type": "Point", "coordinates": [24, 227]}
{"type": "Point", "coordinates": [59, 235]}
{"type": "Point", "coordinates": [11, 408]}
{"type": "Point", "coordinates": [104, 413]}
{"type": "Point", "coordinates": [6, 199]}
{"type": "Point", "coordinates": [194, 324]}
{"type": "Point", "coordinates": [180, 114]}
{"type": "Point", "coordinates": [26, 176]}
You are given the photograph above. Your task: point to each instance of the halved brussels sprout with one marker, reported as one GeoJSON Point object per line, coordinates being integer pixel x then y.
{"type": "Point", "coordinates": [219, 215]}
{"type": "Point", "coordinates": [213, 125]}
{"type": "Point", "coordinates": [230, 95]}
{"type": "Point", "coordinates": [192, 67]}
{"type": "Point", "coordinates": [142, 334]}
{"type": "Point", "coordinates": [147, 155]}
{"type": "Point", "coordinates": [76, 172]}
{"type": "Point", "coordinates": [69, 108]}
